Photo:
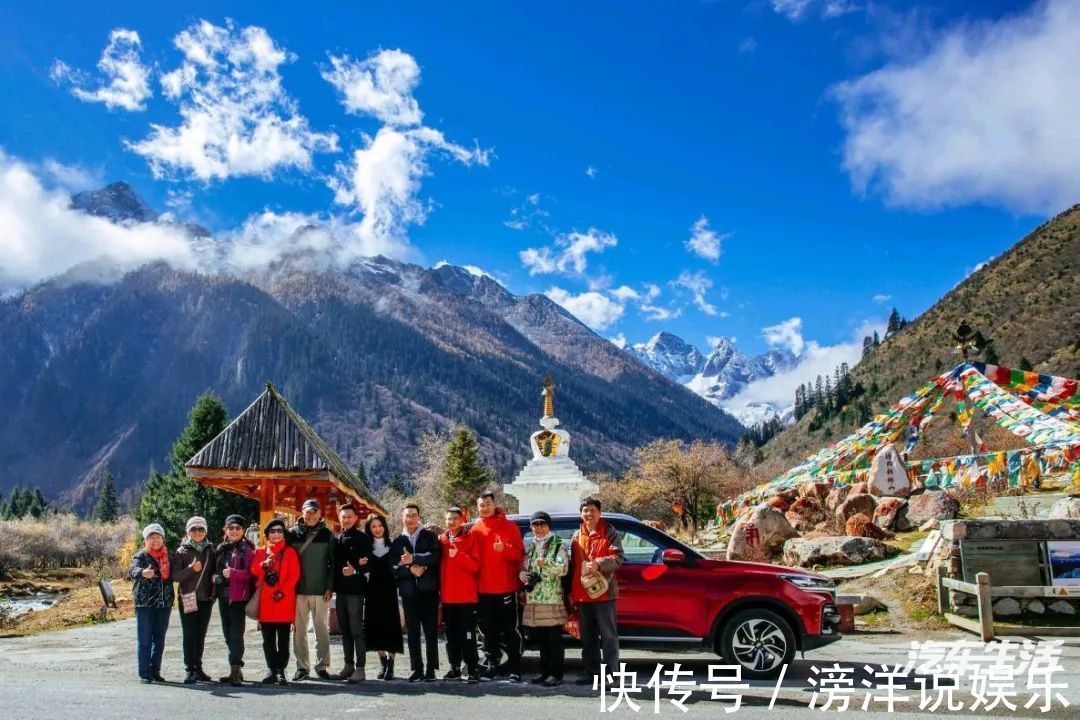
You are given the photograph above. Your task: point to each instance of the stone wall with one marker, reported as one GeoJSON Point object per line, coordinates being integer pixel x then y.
{"type": "Point", "coordinates": [953, 531]}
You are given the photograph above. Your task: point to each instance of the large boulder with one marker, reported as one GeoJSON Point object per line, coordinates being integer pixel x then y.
{"type": "Point", "coordinates": [806, 552]}
{"type": "Point", "coordinates": [856, 503]}
{"type": "Point", "coordinates": [860, 525]}
{"type": "Point", "coordinates": [889, 512]}
{"type": "Point", "coordinates": [888, 475]}
{"type": "Point", "coordinates": [806, 513]}
{"type": "Point", "coordinates": [815, 489]}
{"type": "Point", "coordinates": [764, 529]}
{"type": "Point", "coordinates": [1065, 508]}
{"type": "Point", "coordinates": [779, 503]}
{"type": "Point", "coordinates": [931, 505]}
{"type": "Point", "coordinates": [836, 496]}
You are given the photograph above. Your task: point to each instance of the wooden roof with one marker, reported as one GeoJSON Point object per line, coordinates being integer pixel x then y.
{"type": "Point", "coordinates": [269, 436]}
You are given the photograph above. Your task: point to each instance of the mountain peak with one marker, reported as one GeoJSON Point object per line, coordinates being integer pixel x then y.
{"type": "Point", "coordinates": [116, 202]}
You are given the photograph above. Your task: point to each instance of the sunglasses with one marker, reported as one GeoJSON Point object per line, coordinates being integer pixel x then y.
{"type": "Point", "coordinates": [234, 527]}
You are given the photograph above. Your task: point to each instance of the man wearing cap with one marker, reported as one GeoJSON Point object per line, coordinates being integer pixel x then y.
{"type": "Point", "coordinates": [194, 574]}
{"type": "Point", "coordinates": [235, 584]}
{"type": "Point", "coordinates": [315, 544]}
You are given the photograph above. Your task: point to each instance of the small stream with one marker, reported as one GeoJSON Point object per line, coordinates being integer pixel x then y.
{"type": "Point", "coordinates": [22, 604]}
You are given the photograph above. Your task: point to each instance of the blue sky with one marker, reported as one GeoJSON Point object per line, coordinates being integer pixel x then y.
{"type": "Point", "coordinates": [707, 168]}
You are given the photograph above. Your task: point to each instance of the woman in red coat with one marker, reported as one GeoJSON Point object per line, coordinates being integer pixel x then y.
{"type": "Point", "coordinates": [276, 568]}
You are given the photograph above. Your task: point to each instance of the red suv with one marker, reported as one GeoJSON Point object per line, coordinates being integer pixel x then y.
{"type": "Point", "coordinates": [751, 614]}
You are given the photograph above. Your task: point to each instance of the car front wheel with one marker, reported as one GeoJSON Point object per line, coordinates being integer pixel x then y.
{"type": "Point", "coordinates": [758, 640]}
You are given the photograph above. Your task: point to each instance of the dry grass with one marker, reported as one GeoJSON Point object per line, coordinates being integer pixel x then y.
{"type": "Point", "coordinates": [62, 541]}
{"type": "Point", "coordinates": [911, 599]}
{"type": "Point", "coordinates": [81, 606]}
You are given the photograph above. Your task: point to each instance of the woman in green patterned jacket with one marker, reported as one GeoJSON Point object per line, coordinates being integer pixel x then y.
{"type": "Point", "coordinates": [545, 609]}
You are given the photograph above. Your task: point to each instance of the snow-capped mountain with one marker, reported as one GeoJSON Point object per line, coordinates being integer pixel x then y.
{"type": "Point", "coordinates": [719, 376]}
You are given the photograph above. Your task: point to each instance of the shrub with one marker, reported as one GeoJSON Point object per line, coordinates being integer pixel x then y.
{"type": "Point", "coordinates": [61, 541]}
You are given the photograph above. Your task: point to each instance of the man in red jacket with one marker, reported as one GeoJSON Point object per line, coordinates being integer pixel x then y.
{"type": "Point", "coordinates": [500, 551]}
{"type": "Point", "coordinates": [459, 587]}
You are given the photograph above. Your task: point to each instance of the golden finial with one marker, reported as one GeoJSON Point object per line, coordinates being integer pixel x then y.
{"type": "Point", "coordinates": [549, 397]}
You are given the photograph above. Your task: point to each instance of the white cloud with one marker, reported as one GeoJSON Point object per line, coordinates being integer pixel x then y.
{"type": "Point", "coordinates": [786, 334]}
{"type": "Point", "coordinates": [237, 119]}
{"type": "Point", "coordinates": [72, 178]}
{"type": "Point", "coordinates": [527, 214]}
{"type": "Point", "coordinates": [381, 86]}
{"type": "Point", "coordinates": [125, 81]}
{"type": "Point", "coordinates": [595, 309]}
{"type": "Point", "coordinates": [882, 298]}
{"type": "Point", "coordinates": [796, 10]}
{"type": "Point", "coordinates": [43, 236]}
{"type": "Point", "coordinates": [315, 242]}
{"type": "Point", "coordinates": [382, 180]}
{"type": "Point", "coordinates": [816, 359]}
{"type": "Point", "coordinates": [570, 253]}
{"type": "Point", "coordinates": [986, 115]}
{"type": "Point", "coordinates": [747, 46]}
{"type": "Point", "coordinates": [620, 341]}
{"type": "Point", "coordinates": [590, 171]}
{"type": "Point", "coordinates": [698, 284]}
{"type": "Point", "coordinates": [704, 241]}
{"type": "Point", "coordinates": [714, 340]}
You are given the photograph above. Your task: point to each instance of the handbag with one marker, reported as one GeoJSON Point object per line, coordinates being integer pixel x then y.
{"type": "Point", "coordinates": [189, 601]}
{"type": "Point", "coordinates": [594, 584]}
{"type": "Point", "coordinates": [252, 607]}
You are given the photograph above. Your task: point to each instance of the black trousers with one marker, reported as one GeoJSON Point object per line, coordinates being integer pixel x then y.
{"type": "Point", "coordinates": [233, 621]}
{"type": "Point", "coordinates": [598, 633]}
{"type": "Point", "coordinates": [350, 617]}
{"type": "Point", "coordinates": [549, 640]}
{"type": "Point", "coordinates": [499, 623]}
{"type": "Point", "coordinates": [194, 625]}
{"type": "Point", "coordinates": [422, 612]}
{"type": "Point", "coordinates": [459, 622]}
{"type": "Point", "coordinates": [276, 639]}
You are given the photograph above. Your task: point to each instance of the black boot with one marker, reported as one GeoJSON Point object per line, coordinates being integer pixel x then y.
{"type": "Point", "coordinates": [281, 679]}
{"type": "Point", "coordinates": [389, 668]}
{"type": "Point", "coordinates": [191, 678]}
{"type": "Point", "coordinates": [270, 679]}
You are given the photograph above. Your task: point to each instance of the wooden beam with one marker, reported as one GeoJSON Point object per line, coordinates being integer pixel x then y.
{"type": "Point", "coordinates": [307, 475]}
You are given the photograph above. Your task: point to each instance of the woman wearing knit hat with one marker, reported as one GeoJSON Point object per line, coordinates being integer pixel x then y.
{"type": "Point", "coordinates": [152, 595]}
{"type": "Point", "coordinates": [194, 573]}
{"type": "Point", "coordinates": [276, 568]}
{"type": "Point", "coordinates": [234, 581]}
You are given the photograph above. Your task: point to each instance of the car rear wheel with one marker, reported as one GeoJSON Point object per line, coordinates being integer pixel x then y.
{"type": "Point", "coordinates": [758, 640]}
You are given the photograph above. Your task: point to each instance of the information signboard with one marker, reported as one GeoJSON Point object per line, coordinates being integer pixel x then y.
{"type": "Point", "coordinates": [1009, 562]}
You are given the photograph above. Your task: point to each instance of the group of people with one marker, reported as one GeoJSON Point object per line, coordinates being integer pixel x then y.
{"type": "Point", "coordinates": [476, 574]}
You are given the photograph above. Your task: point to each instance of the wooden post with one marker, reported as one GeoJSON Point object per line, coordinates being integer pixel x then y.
{"type": "Point", "coordinates": [986, 609]}
{"type": "Point", "coordinates": [267, 501]}
{"type": "Point", "coordinates": [942, 592]}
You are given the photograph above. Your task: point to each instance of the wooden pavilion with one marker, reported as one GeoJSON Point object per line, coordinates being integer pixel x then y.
{"type": "Point", "coordinates": [270, 454]}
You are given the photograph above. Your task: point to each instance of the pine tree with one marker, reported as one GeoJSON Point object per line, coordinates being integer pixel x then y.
{"type": "Point", "coordinates": [172, 498]}
{"type": "Point", "coordinates": [894, 324]}
{"type": "Point", "coordinates": [464, 476]}
{"type": "Point", "coordinates": [107, 507]}
{"type": "Point", "coordinates": [867, 345]}
{"type": "Point", "coordinates": [877, 339]}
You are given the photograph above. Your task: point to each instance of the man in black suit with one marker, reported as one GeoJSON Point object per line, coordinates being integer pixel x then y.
{"type": "Point", "coordinates": [414, 556]}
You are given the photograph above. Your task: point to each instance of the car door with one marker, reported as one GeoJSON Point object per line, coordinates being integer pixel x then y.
{"type": "Point", "coordinates": [657, 600]}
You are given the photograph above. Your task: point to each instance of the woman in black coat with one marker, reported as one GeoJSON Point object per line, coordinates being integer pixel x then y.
{"type": "Point", "coordinates": [382, 619]}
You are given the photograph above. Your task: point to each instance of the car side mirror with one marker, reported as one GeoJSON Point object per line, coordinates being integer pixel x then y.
{"type": "Point", "coordinates": [671, 556]}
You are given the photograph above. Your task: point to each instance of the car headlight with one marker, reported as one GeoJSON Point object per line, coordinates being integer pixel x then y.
{"type": "Point", "coordinates": [810, 583]}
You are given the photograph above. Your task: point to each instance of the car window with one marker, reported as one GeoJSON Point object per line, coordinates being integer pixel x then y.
{"type": "Point", "coordinates": [640, 550]}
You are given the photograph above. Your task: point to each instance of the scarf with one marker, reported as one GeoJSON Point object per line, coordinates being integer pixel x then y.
{"type": "Point", "coordinates": [379, 547]}
{"type": "Point", "coordinates": [162, 558]}
{"type": "Point", "coordinates": [199, 546]}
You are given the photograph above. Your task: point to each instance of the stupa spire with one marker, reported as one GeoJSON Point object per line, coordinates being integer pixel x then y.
{"type": "Point", "coordinates": [549, 397]}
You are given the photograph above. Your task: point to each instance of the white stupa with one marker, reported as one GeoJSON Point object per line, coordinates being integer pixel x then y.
{"type": "Point", "coordinates": [550, 481]}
